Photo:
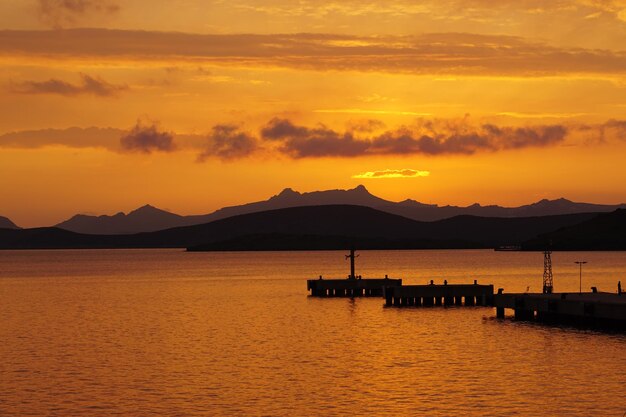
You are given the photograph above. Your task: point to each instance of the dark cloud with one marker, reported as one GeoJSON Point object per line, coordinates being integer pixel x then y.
{"type": "Point", "coordinates": [466, 140]}
{"type": "Point", "coordinates": [602, 133]}
{"type": "Point", "coordinates": [427, 139]}
{"type": "Point", "coordinates": [147, 139]}
{"type": "Point", "coordinates": [406, 142]}
{"type": "Point", "coordinates": [282, 136]}
{"type": "Point", "coordinates": [89, 86]}
{"type": "Point", "coordinates": [447, 53]}
{"type": "Point", "coordinates": [523, 137]}
{"type": "Point", "coordinates": [228, 142]}
{"type": "Point", "coordinates": [59, 13]}
{"type": "Point", "coordinates": [303, 142]}
{"type": "Point", "coordinates": [617, 128]}
{"type": "Point", "coordinates": [278, 129]}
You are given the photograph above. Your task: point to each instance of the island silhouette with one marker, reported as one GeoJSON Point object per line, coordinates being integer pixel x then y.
{"type": "Point", "coordinates": [150, 219]}
{"type": "Point", "coordinates": [317, 227]}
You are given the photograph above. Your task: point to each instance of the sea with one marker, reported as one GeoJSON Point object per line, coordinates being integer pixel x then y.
{"type": "Point", "coordinates": [171, 333]}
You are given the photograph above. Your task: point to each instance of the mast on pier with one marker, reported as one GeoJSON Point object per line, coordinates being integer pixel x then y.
{"type": "Point", "coordinates": [351, 257]}
{"type": "Point", "coordinates": [547, 272]}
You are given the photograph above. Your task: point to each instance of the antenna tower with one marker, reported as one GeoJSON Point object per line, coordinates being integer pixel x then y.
{"type": "Point", "coordinates": [547, 272]}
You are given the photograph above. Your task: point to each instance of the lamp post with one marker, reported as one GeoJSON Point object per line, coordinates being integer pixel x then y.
{"type": "Point", "coordinates": [580, 264]}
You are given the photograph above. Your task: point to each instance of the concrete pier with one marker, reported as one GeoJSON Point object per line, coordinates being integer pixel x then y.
{"type": "Point", "coordinates": [431, 295]}
{"type": "Point", "coordinates": [589, 309]}
{"type": "Point", "coordinates": [357, 287]}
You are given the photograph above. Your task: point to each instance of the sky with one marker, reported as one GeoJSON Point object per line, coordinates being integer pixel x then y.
{"type": "Point", "coordinates": [107, 105]}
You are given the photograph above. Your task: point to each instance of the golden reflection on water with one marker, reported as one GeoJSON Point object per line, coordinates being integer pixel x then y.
{"type": "Point", "coordinates": [164, 333]}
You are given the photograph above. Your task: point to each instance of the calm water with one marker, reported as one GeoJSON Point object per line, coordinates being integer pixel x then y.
{"type": "Point", "coordinates": [169, 333]}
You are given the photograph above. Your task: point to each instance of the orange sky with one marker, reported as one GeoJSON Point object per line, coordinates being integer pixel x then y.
{"type": "Point", "coordinates": [192, 105]}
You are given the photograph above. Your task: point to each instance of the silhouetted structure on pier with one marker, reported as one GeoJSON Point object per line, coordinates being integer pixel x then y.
{"type": "Point", "coordinates": [351, 256]}
{"type": "Point", "coordinates": [439, 295]}
{"type": "Point", "coordinates": [354, 286]}
{"type": "Point", "coordinates": [548, 285]}
{"type": "Point", "coordinates": [595, 308]}
{"type": "Point", "coordinates": [350, 287]}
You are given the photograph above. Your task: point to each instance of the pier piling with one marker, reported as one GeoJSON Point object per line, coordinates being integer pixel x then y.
{"type": "Point", "coordinates": [593, 308]}
{"type": "Point", "coordinates": [359, 287]}
{"type": "Point", "coordinates": [438, 295]}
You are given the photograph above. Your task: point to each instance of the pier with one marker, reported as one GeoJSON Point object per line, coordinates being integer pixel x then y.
{"type": "Point", "coordinates": [357, 287]}
{"type": "Point", "coordinates": [439, 295]}
{"type": "Point", "coordinates": [593, 309]}
{"type": "Point", "coordinates": [353, 286]}
{"type": "Point", "coordinates": [596, 309]}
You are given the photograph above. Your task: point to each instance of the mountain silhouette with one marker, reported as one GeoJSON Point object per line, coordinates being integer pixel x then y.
{"type": "Point", "coordinates": [607, 231]}
{"type": "Point", "coordinates": [356, 223]}
{"type": "Point", "coordinates": [148, 218]}
{"type": "Point", "coordinates": [143, 219]}
{"type": "Point", "coordinates": [358, 196]}
{"type": "Point", "coordinates": [426, 212]}
{"type": "Point", "coordinates": [5, 223]}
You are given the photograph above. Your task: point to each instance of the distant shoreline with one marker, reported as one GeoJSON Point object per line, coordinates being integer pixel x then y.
{"type": "Point", "coordinates": [342, 227]}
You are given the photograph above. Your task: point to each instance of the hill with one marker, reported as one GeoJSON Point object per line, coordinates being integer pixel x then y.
{"type": "Point", "coordinates": [148, 218]}
{"type": "Point", "coordinates": [344, 221]}
{"type": "Point", "coordinates": [143, 219]}
{"type": "Point", "coordinates": [606, 231]}
{"type": "Point", "coordinates": [408, 208]}
{"type": "Point", "coordinates": [287, 198]}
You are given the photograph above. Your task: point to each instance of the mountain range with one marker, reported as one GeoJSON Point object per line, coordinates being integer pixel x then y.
{"type": "Point", "coordinates": [149, 218]}
{"type": "Point", "coordinates": [326, 224]}
{"type": "Point", "coordinates": [143, 219]}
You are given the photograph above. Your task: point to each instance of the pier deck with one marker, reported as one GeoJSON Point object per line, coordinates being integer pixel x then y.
{"type": "Point", "coordinates": [351, 287]}
{"type": "Point", "coordinates": [438, 295]}
{"type": "Point", "coordinates": [595, 308]}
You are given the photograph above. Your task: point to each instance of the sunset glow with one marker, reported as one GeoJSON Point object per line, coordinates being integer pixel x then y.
{"type": "Point", "coordinates": [203, 104]}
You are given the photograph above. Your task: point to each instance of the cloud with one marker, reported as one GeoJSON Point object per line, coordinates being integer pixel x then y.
{"type": "Point", "coordinates": [59, 13]}
{"type": "Point", "coordinates": [601, 133]}
{"type": "Point", "coordinates": [90, 137]}
{"type": "Point", "coordinates": [430, 137]}
{"type": "Point", "coordinates": [439, 9]}
{"type": "Point", "coordinates": [303, 142]}
{"type": "Point", "coordinates": [523, 137]}
{"type": "Point", "coordinates": [406, 142]}
{"type": "Point", "coordinates": [427, 138]}
{"type": "Point", "coordinates": [477, 11]}
{"type": "Point", "coordinates": [618, 127]}
{"type": "Point", "coordinates": [147, 139]}
{"type": "Point", "coordinates": [278, 129]}
{"type": "Point", "coordinates": [228, 142]}
{"type": "Point", "coordinates": [90, 86]}
{"type": "Point", "coordinates": [392, 173]}
{"type": "Point", "coordinates": [442, 54]}
{"type": "Point", "coordinates": [73, 137]}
